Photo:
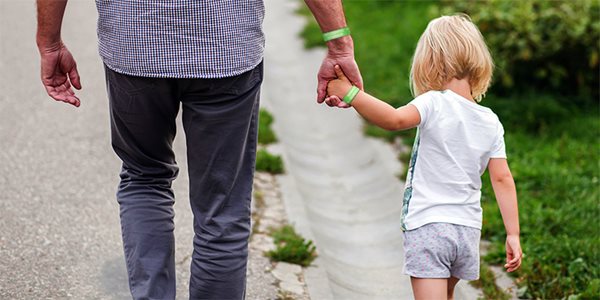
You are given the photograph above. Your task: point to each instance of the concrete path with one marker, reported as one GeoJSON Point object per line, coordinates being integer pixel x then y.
{"type": "Point", "coordinates": [342, 190]}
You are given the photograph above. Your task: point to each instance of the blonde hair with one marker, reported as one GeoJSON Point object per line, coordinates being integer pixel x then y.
{"type": "Point", "coordinates": [451, 47]}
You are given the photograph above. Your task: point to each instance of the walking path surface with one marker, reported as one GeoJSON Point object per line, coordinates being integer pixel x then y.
{"type": "Point", "coordinates": [342, 190]}
{"type": "Point", "coordinates": [58, 175]}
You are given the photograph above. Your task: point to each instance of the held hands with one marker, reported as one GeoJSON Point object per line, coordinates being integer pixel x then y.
{"type": "Point", "coordinates": [338, 88]}
{"type": "Point", "coordinates": [514, 254]}
{"type": "Point", "coordinates": [327, 73]}
{"type": "Point", "coordinates": [59, 74]}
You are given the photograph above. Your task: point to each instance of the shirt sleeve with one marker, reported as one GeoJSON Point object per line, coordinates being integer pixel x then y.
{"type": "Point", "coordinates": [424, 105]}
{"type": "Point", "coordinates": [498, 148]}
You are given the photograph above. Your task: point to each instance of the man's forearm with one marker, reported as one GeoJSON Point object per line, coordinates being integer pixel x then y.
{"type": "Point", "coordinates": [330, 16]}
{"type": "Point", "coordinates": [49, 16]}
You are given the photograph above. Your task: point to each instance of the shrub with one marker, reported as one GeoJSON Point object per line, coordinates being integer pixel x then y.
{"type": "Point", "coordinates": [265, 133]}
{"type": "Point", "coordinates": [268, 162]}
{"type": "Point", "coordinates": [292, 248]}
{"type": "Point", "coordinates": [547, 45]}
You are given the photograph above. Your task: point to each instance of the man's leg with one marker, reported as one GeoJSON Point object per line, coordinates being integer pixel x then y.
{"type": "Point", "coordinates": [220, 122]}
{"type": "Point", "coordinates": [142, 114]}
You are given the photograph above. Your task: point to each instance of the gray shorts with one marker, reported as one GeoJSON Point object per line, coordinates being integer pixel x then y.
{"type": "Point", "coordinates": [441, 250]}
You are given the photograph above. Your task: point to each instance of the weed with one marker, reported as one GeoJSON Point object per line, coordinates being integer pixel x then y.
{"type": "Point", "coordinates": [291, 247]}
{"type": "Point", "coordinates": [268, 162]}
{"type": "Point", "coordinates": [265, 132]}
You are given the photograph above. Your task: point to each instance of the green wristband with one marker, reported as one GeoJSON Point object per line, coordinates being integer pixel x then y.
{"type": "Point", "coordinates": [338, 33]}
{"type": "Point", "coordinates": [351, 94]}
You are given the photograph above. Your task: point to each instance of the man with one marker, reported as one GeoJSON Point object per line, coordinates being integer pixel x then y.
{"type": "Point", "coordinates": [206, 56]}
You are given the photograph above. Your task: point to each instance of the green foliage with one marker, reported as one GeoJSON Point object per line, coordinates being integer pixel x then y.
{"type": "Point", "coordinates": [268, 162]}
{"type": "Point", "coordinates": [549, 45]}
{"type": "Point", "coordinates": [265, 133]}
{"type": "Point", "coordinates": [291, 247]}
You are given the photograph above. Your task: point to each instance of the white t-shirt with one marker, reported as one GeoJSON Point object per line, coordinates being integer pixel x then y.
{"type": "Point", "coordinates": [455, 141]}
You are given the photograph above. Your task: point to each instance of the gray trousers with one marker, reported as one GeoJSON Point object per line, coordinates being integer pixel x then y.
{"type": "Point", "coordinates": [220, 123]}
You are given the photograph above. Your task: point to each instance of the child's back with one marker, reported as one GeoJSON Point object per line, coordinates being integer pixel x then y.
{"type": "Point", "coordinates": [455, 141]}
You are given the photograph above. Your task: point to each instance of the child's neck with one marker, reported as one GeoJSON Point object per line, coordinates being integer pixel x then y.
{"type": "Point", "coordinates": [460, 87]}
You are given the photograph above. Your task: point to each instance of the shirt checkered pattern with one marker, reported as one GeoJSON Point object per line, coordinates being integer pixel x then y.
{"type": "Point", "coordinates": [181, 38]}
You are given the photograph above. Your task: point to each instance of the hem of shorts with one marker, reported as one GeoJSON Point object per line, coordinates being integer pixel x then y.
{"type": "Point", "coordinates": [466, 278]}
{"type": "Point", "coordinates": [181, 76]}
{"type": "Point", "coordinates": [433, 276]}
{"type": "Point", "coordinates": [442, 219]}
{"type": "Point", "coordinates": [425, 276]}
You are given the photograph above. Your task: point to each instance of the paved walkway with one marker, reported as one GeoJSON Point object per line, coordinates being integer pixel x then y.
{"type": "Point", "coordinates": [350, 195]}
{"type": "Point", "coordinates": [342, 190]}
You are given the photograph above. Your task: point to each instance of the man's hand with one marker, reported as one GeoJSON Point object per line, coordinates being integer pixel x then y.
{"type": "Point", "coordinates": [330, 16]}
{"type": "Point", "coordinates": [514, 254]}
{"type": "Point", "coordinates": [59, 74]}
{"type": "Point", "coordinates": [327, 73]}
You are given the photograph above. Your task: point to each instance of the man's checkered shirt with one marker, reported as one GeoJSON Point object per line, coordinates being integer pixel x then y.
{"type": "Point", "coordinates": [181, 38]}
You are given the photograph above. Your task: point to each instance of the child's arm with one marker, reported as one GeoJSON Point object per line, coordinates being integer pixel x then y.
{"type": "Point", "coordinates": [506, 196]}
{"type": "Point", "coordinates": [373, 109]}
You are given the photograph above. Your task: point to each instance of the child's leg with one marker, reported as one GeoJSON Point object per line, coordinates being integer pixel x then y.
{"type": "Point", "coordinates": [430, 288]}
{"type": "Point", "coordinates": [452, 281]}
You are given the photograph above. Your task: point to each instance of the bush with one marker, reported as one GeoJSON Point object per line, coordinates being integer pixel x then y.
{"type": "Point", "coordinates": [265, 133]}
{"type": "Point", "coordinates": [292, 248]}
{"type": "Point", "coordinates": [268, 162]}
{"type": "Point", "coordinates": [547, 45]}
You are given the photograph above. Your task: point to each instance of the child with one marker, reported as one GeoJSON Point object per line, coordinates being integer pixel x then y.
{"type": "Point", "coordinates": [457, 139]}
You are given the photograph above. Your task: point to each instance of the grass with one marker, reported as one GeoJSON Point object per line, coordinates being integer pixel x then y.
{"type": "Point", "coordinates": [291, 247]}
{"type": "Point", "coordinates": [556, 172]}
{"type": "Point", "coordinates": [265, 133]}
{"type": "Point", "coordinates": [552, 144]}
{"type": "Point", "coordinates": [268, 162]}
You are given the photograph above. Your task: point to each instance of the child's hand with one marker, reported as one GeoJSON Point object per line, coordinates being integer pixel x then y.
{"type": "Point", "coordinates": [337, 89]}
{"type": "Point", "coordinates": [513, 253]}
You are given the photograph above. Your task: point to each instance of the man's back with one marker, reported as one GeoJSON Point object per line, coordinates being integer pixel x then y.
{"type": "Point", "coordinates": [181, 39]}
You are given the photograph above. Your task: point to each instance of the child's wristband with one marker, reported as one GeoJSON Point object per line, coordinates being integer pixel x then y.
{"type": "Point", "coordinates": [351, 94]}
{"type": "Point", "coordinates": [335, 34]}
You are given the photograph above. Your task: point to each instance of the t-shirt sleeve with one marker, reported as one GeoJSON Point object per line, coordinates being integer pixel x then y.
{"type": "Point", "coordinates": [498, 148]}
{"type": "Point", "coordinates": [424, 105]}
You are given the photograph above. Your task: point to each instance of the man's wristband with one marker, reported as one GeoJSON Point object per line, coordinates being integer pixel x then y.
{"type": "Point", "coordinates": [351, 94]}
{"type": "Point", "coordinates": [338, 33]}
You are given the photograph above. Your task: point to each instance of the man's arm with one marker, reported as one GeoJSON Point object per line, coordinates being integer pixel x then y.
{"type": "Point", "coordinates": [59, 70]}
{"type": "Point", "coordinates": [330, 16]}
